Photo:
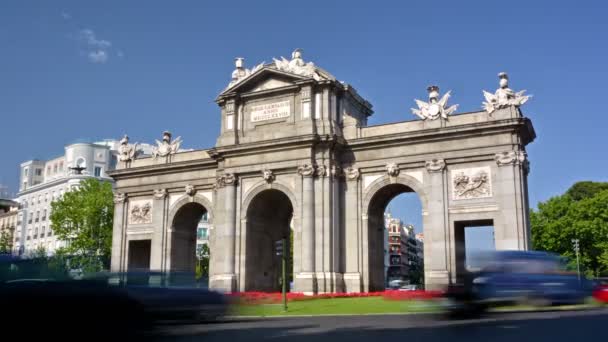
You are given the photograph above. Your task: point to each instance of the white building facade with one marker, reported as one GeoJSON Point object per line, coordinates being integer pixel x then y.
{"type": "Point", "coordinates": [42, 182]}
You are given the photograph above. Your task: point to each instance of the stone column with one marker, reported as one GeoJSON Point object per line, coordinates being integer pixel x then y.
{"type": "Point", "coordinates": [118, 233]}
{"type": "Point", "coordinates": [223, 263]}
{"type": "Point", "coordinates": [436, 225]}
{"type": "Point", "coordinates": [511, 228]}
{"type": "Point", "coordinates": [157, 255]}
{"type": "Point", "coordinates": [352, 217]}
{"type": "Point", "coordinates": [306, 280]}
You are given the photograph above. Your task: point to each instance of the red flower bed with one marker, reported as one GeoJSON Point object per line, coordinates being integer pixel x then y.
{"type": "Point", "coordinates": [275, 297]}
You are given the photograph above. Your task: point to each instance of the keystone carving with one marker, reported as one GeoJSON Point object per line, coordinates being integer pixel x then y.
{"type": "Point", "coordinates": [435, 165]}
{"type": "Point", "coordinates": [268, 175]}
{"type": "Point", "coordinates": [190, 190]}
{"type": "Point", "coordinates": [392, 169]}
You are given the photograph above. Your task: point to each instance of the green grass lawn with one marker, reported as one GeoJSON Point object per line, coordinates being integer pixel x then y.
{"type": "Point", "coordinates": [335, 306]}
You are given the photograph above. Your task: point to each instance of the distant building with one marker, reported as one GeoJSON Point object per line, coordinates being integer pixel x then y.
{"type": "Point", "coordinates": [202, 234]}
{"type": "Point", "coordinates": [44, 181]}
{"type": "Point", "coordinates": [8, 220]}
{"type": "Point", "coordinates": [405, 251]}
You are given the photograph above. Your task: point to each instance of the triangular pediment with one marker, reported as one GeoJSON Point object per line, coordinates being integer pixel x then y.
{"type": "Point", "coordinates": [264, 79]}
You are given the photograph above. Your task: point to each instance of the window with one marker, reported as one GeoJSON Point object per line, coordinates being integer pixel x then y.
{"type": "Point", "coordinates": [44, 215]}
{"type": "Point", "coordinates": [229, 122]}
{"type": "Point", "coordinates": [48, 170]}
{"type": "Point", "coordinates": [60, 166]}
{"type": "Point", "coordinates": [55, 168]}
{"type": "Point", "coordinates": [97, 171]}
{"type": "Point", "coordinates": [50, 232]}
{"type": "Point", "coordinates": [24, 185]}
{"type": "Point", "coordinates": [31, 218]}
{"type": "Point", "coordinates": [39, 198]}
{"type": "Point", "coordinates": [25, 172]}
{"type": "Point", "coordinates": [38, 172]}
{"type": "Point", "coordinates": [202, 234]}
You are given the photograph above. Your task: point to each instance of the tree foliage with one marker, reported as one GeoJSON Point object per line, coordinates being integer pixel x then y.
{"type": "Point", "coordinates": [83, 218]}
{"type": "Point", "coordinates": [6, 243]}
{"type": "Point", "coordinates": [202, 263]}
{"type": "Point", "coordinates": [581, 213]}
{"type": "Point", "coordinates": [587, 189]}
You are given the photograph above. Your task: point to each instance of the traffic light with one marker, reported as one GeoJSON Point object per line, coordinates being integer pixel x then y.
{"type": "Point", "coordinates": [279, 247]}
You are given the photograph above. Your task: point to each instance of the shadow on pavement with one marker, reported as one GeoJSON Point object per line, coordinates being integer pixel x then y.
{"type": "Point", "coordinates": [591, 326]}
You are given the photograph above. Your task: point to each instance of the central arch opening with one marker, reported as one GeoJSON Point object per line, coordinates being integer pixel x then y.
{"type": "Point", "coordinates": [269, 218]}
{"type": "Point", "coordinates": [186, 237]}
{"type": "Point", "coordinates": [395, 240]}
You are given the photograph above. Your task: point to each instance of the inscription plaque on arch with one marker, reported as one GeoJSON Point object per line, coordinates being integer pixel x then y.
{"type": "Point", "coordinates": [270, 111]}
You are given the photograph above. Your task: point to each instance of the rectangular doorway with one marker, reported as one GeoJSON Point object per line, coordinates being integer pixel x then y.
{"type": "Point", "coordinates": [473, 240]}
{"type": "Point", "coordinates": [139, 255]}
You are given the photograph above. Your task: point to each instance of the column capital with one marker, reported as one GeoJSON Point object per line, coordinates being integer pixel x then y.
{"type": "Point", "coordinates": [160, 194]}
{"type": "Point", "coordinates": [227, 179]}
{"type": "Point", "coordinates": [435, 165]}
{"type": "Point", "coordinates": [120, 198]}
{"type": "Point", "coordinates": [306, 170]}
{"type": "Point", "coordinates": [352, 173]}
{"type": "Point", "coordinates": [511, 158]}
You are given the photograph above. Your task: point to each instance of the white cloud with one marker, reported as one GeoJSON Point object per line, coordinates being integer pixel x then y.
{"type": "Point", "coordinates": [88, 37]}
{"type": "Point", "coordinates": [97, 50]}
{"type": "Point", "coordinates": [98, 56]}
{"type": "Point", "coordinates": [65, 15]}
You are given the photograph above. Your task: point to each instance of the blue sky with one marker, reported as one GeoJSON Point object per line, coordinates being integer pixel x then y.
{"type": "Point", "coordinates": [91, 70]}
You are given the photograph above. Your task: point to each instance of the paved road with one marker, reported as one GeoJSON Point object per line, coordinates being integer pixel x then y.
{"type": "Point", "coordinates": [580, 326]}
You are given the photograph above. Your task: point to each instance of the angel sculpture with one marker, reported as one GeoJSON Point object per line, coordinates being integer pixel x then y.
{"type": "Point", "coordinates": [297, 65]}
{"type": "Point", "coordinates": [504, 96]}
{"type": "Point", "coordinates": [240, 73]}
{"type": "Point", "coordinates": [166, 147]}
{"type": "Point", "coordinates": [436, 107]}
{"type": "Point", "coordinates": [126, 151]}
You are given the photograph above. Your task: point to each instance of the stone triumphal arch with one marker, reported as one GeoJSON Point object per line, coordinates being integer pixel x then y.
{"type": "Point", "coordinates": [295, 153]}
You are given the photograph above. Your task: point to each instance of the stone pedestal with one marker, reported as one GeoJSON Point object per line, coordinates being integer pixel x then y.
{"type": "Point", "coordinates": [223, 283]}
{"type": "Point", "coordinates": [305, 282]}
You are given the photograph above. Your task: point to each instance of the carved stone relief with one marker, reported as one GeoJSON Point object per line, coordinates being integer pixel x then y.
{"type": "Point", "coordinates": [471, 183]}
{"type": "Point", "coordinates": [140, 212]}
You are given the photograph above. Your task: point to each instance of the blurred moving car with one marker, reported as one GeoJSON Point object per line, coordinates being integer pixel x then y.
{"type": "Point", "coordinates": [411, 287]}
{"type": "Point", "coordinates": [30, 286]}
{"type": "Point", "coordinates": [517, 277]}
{"type": "Point", "coordinates": [600, 293]}
{"type": "Point", "coordinates": [172, 296]}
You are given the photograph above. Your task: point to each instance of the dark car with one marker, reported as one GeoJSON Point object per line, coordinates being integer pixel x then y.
{"type": "Point", "coordinates": [172, 296]}
{"type": "Point", "coordinates": [517, 277]}
{"type": "Point", "coordinates": [30, 286]}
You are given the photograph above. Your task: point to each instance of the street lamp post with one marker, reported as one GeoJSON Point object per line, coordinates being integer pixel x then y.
{"type": "Point", "coordinates": [575, 245]}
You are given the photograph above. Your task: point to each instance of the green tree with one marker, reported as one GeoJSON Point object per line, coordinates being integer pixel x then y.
{"type": "Point", "coordinates": [83, 218]}
{"type": "Point", "coordinates": [202, 263]}
{"type": "Point", "coordinates": [6, 243]}
{"type": "Point", "coordinates": [581, 213]}
{"type": "Point", "coordinates": [587, 189]}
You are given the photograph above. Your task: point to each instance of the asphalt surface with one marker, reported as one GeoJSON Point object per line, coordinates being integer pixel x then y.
{"type": "Point", "coordinates": [571, 326]}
